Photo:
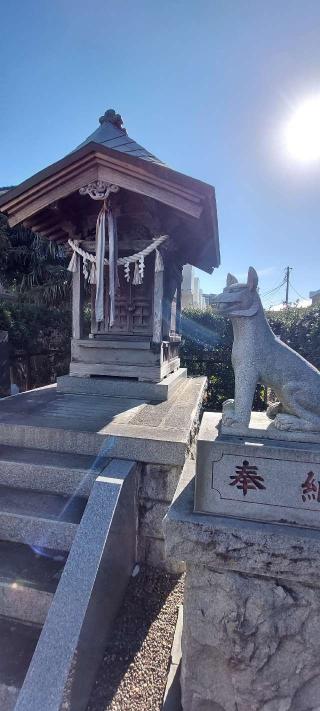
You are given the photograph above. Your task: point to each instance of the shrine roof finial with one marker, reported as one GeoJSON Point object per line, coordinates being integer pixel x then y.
{"type": "Point", "coordinates": [112, 134]}
{"type": "Point", "coordinates": [110, 116]}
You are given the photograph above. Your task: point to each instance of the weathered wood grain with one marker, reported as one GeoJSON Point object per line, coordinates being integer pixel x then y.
{"type": "Point", "coordinates": [77, 301]}
{"type": "Point", "coordinates": [157, 307]}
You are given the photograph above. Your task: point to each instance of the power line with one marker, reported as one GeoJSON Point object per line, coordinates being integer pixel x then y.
{"type": "Point", "coordinates": [272, 291]}
{"type": "Point", "coordinates": [297, 292]}
{"type": "Point", "coordinates": [269, 295]}
{"type": "Point", "coordinates": [272, 297]}
{"type": "Point", "coordinates": [276, 288]}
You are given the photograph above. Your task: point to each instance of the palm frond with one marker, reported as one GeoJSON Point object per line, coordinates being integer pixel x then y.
{"type": "Point", "coordinates": [33, 266]}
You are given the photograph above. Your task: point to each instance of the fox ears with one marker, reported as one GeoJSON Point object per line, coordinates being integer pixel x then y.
{"type": "Point", "coordinates": [231, 279]}
{"type": "Point", "coordinates": [252, 279]}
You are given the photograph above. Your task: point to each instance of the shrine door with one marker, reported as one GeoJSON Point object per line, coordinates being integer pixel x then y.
{"type": "Point", "coordinates": [133, 305]}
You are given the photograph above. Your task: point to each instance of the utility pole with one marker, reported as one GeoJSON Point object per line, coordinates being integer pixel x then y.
{"type": "Point", "coordinates": [286, 281]}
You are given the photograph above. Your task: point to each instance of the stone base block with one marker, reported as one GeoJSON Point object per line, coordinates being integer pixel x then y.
{"type": "Point", "coordinates": [157, 486]}
{"type": "Point", "coordinates": [256, 478]}
{"type": "Point", "coordinates": [249, 644]}
{"type": "Point", "coordinates": [124, 358]}
{"type": "Point", "coordinates": [251, 634]}
{"type": "Point", "coordinates": [158, 482]}
{"type": "Point", "coordinates": [151, 551]}
{"type": "Point", "coordinates": [151, 515]}
{"type": "Point", "coordinates": [122, 386]}
{"type": "Point", "coordinates": [261, 427]}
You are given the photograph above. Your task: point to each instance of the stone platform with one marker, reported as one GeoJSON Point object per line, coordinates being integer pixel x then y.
{"type": "Point", "coordinates": [124, 427]}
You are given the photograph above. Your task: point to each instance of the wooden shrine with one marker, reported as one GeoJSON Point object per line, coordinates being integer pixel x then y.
{"type": "Point", "coordinates": [161, 220]}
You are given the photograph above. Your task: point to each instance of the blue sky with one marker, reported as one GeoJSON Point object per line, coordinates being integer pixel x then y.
{"type": "Point", "coordinates": [207, 85]}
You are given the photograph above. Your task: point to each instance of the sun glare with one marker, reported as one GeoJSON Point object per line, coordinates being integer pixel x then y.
{"type": "Point", "coordinates": [302, 133]}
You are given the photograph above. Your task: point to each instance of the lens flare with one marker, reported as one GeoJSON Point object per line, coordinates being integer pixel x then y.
{"type": "Point", "coordinates": [302, 132]}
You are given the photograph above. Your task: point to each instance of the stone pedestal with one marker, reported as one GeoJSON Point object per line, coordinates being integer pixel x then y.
{"type": "Point", "coordinates": [251, 634]}
{"type": "Point", "coordinates": [260, 474]}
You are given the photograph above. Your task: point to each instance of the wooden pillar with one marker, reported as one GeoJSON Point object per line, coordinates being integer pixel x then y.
{"type": "Point", "coordinates": [166, 304]}
{"type": "Point", "coordinates": [4, 365]}
{"type": "Point", "coordinates": [77, 300]}
{"type": "Point", "coordinates": [157, 306]}
{"type": "Point", "coordinates": [94, 325]}
{"type": "Point", "coordinates": [178, 311]}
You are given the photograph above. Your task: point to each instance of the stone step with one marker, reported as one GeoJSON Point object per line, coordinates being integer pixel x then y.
{"type": "Point", "coordinates": [39, 519]}
{"type": "Point", "coordinates": [51, 438]}
{"type": "Point", "coordinates": [28, 580]}
{"type": "Point", "coordinates": [18, 642]}
{"type": "Point", "coordinates": [41, 504]}
{"type": "Point", "coordinates": [55, 472]}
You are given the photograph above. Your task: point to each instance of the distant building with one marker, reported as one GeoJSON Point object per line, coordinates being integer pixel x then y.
{"type": "Point", "coordinates": [315, 297]}
{"type": "Point", "coordinates": [209, 299]}
{"type": "Point", "coordinates": [191, 294]}
{"type": "Point", "coordinates": [196, 292]}
{"type": "Point", "coordinates": [187, 288]}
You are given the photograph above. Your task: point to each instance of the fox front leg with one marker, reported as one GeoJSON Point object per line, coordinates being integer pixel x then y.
{"type": "Point", "coordinates": [240, 413]}
{"type": "Point", "coordinates": [245, 385]}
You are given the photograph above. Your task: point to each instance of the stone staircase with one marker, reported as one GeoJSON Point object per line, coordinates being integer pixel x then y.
{"type": "Point", "coordinates": [42, 498]}
{"type": "Point", "coordinates": [53, 446]}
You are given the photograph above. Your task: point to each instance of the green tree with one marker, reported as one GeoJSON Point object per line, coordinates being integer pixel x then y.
{"type": "Point", "coordinates": [33, 267]}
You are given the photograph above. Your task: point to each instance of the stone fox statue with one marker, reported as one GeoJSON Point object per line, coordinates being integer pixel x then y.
{"type": "Point", "coordinates": [258, 356]}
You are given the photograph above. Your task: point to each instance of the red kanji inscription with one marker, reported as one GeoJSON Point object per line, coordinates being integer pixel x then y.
{"type": "Point", "coordinates": [247, 477]}
{"type": "Point", "coordinates": [311, 488]}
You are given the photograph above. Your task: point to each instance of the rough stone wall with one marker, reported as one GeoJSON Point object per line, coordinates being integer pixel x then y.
{"type": "Point", "coordinates": [250, 643]}
{"type": "Point", "coordinates": [158, 483]}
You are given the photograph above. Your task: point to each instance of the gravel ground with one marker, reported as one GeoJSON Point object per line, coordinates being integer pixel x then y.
{"type": "Point", "coordinates": [133, 674]}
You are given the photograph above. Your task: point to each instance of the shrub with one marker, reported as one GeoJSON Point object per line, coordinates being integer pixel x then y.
{"type": "Point", "coordinates": [39, 341]}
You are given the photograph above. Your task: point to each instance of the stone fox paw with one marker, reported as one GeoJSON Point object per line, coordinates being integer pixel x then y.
{"type": "Point", "coordinates": [228, 405]}
{"type": "Point", "coordinates": [274, 409]}
{"type": "Point", "coordinates": [229, 417]}
{"type": "Point", "coordinates": [291, 423]}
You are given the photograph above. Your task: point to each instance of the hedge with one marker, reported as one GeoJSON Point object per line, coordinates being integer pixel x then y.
{"type": "Point", "coordinates": [39, 340]}
{"type": "Point", "coordinates": [207, 343]}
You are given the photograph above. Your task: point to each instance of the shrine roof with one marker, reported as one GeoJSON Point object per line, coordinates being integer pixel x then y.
{"type": "Point", "coordinates": [42, 202]}
{"type": "Point", "coordinates": [112, 134]}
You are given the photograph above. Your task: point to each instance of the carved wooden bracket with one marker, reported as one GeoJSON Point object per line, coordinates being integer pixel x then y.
{"type": "Point", "coordinates": [99, 189]}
